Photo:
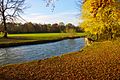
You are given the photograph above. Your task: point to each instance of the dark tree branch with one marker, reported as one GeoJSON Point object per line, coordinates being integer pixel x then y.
{"type": "Point", "coordinates": [50, 3]}
{"type": "Point", "coordinates": [9, 10]}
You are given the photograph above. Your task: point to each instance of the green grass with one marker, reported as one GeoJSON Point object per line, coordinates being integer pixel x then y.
{"type": "Point", "coordinates": [43, 36]}
{"type": "Point", "coordinates": [100, 61]}
{"type": "Point", "coordinates": [23, 38]}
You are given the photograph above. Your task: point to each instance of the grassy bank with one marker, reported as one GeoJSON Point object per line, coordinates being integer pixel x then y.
{"type": "Point", "coordinates": [100, 61]}
{"type": "Point", "coordinates": [23, 39]}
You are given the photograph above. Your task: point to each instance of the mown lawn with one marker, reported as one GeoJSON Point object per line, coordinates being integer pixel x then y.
{"type": "Point", "coordinates": [17, 38]}
{"type": "Point", "coordinates": [100, 61]}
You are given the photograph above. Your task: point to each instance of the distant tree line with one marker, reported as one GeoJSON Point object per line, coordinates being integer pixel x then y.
{"type": "Point", "coordinates": [15, 28]}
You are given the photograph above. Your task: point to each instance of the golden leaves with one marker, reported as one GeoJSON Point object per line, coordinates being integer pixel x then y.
{"type": "Point", "coordinates": [101, 16]}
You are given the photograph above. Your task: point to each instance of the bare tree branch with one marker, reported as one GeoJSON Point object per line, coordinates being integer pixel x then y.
{"type": "Point", "coordinates": [9, 10]}
{"type": "Point", "coordinates": [50, 3]}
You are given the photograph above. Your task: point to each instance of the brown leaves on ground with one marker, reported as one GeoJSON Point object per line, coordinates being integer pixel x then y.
{"type": "Point", "coordinates": [99, 61]}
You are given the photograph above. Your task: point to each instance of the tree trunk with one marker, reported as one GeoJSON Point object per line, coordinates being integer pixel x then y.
{"type": "Point", "coordinates": [5, 27]}
{"type": "Point", "coordinates": [97, 36]}
{"type": "Point", "coordinates": [5, 30]}
{"type": "Point", "coordinates": [4, 19]}
{"type": "Point", "coordinates": [111, 35]}
{"type": "Point", "coordinates": [5, 34]}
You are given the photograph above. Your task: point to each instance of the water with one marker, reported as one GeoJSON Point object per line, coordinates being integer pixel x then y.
{"type": "Point", "coordinates": [39, 51]}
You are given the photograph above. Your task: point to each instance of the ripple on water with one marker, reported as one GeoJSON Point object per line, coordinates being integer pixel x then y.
{"type": "Point", "coordinates": [39, 51]}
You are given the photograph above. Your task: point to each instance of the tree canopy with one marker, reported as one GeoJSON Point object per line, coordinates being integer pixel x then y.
{"type": "Point", "coordinates": [101, 17]}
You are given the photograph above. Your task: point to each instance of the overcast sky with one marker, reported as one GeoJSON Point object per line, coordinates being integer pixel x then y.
{"type": "Point", "coordinates": [65, 11]}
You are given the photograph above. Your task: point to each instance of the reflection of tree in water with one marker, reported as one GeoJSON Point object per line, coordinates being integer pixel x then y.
{"type": "Point", "coordinates": [66, 46]}
{"type": "Point", "coordinates": [7, 56]}
{"type": "Point", "coordinates": [75, 44]}
{"type": "Point", "coordinates": [71, 42]}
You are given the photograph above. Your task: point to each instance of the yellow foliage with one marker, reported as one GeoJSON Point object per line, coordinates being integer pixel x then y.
{"type": "Point", "coordinates": [101, 15]}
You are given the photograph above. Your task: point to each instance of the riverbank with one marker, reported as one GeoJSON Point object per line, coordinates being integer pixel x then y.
{"type": "Point", "coordinates": [29, 39]}
{"type": "Point", "coordinates": [100, 61]}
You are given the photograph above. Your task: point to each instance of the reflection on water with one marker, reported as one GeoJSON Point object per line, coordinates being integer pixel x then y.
{"type": "Point", "coordinates": [7, 56]}
{"type": "Point", "coordinates": [39, 51]}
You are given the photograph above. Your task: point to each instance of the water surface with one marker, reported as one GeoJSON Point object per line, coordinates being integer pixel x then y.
{"type": "Point", "coordinates": [39, 51]}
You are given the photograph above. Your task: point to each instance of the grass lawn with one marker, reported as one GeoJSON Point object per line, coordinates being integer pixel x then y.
{"type": "Point", "coordinates": [44, 36]}
{"type": "Point", "coordinates": [100, 61]}
{"type": "Point", "coordinates": [41, 36]}
{"type": "Point", "coordinates": [36, 36]}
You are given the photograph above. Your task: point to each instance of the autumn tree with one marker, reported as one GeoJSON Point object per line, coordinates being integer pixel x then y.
{"type": "Point", "coordinates": [101, 17]}
{"type": "Point", "coordinates": [9, 11]}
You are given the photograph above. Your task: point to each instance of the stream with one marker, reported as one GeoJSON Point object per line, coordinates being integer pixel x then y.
{"type": "Point", "coordinates": [39, 51]}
